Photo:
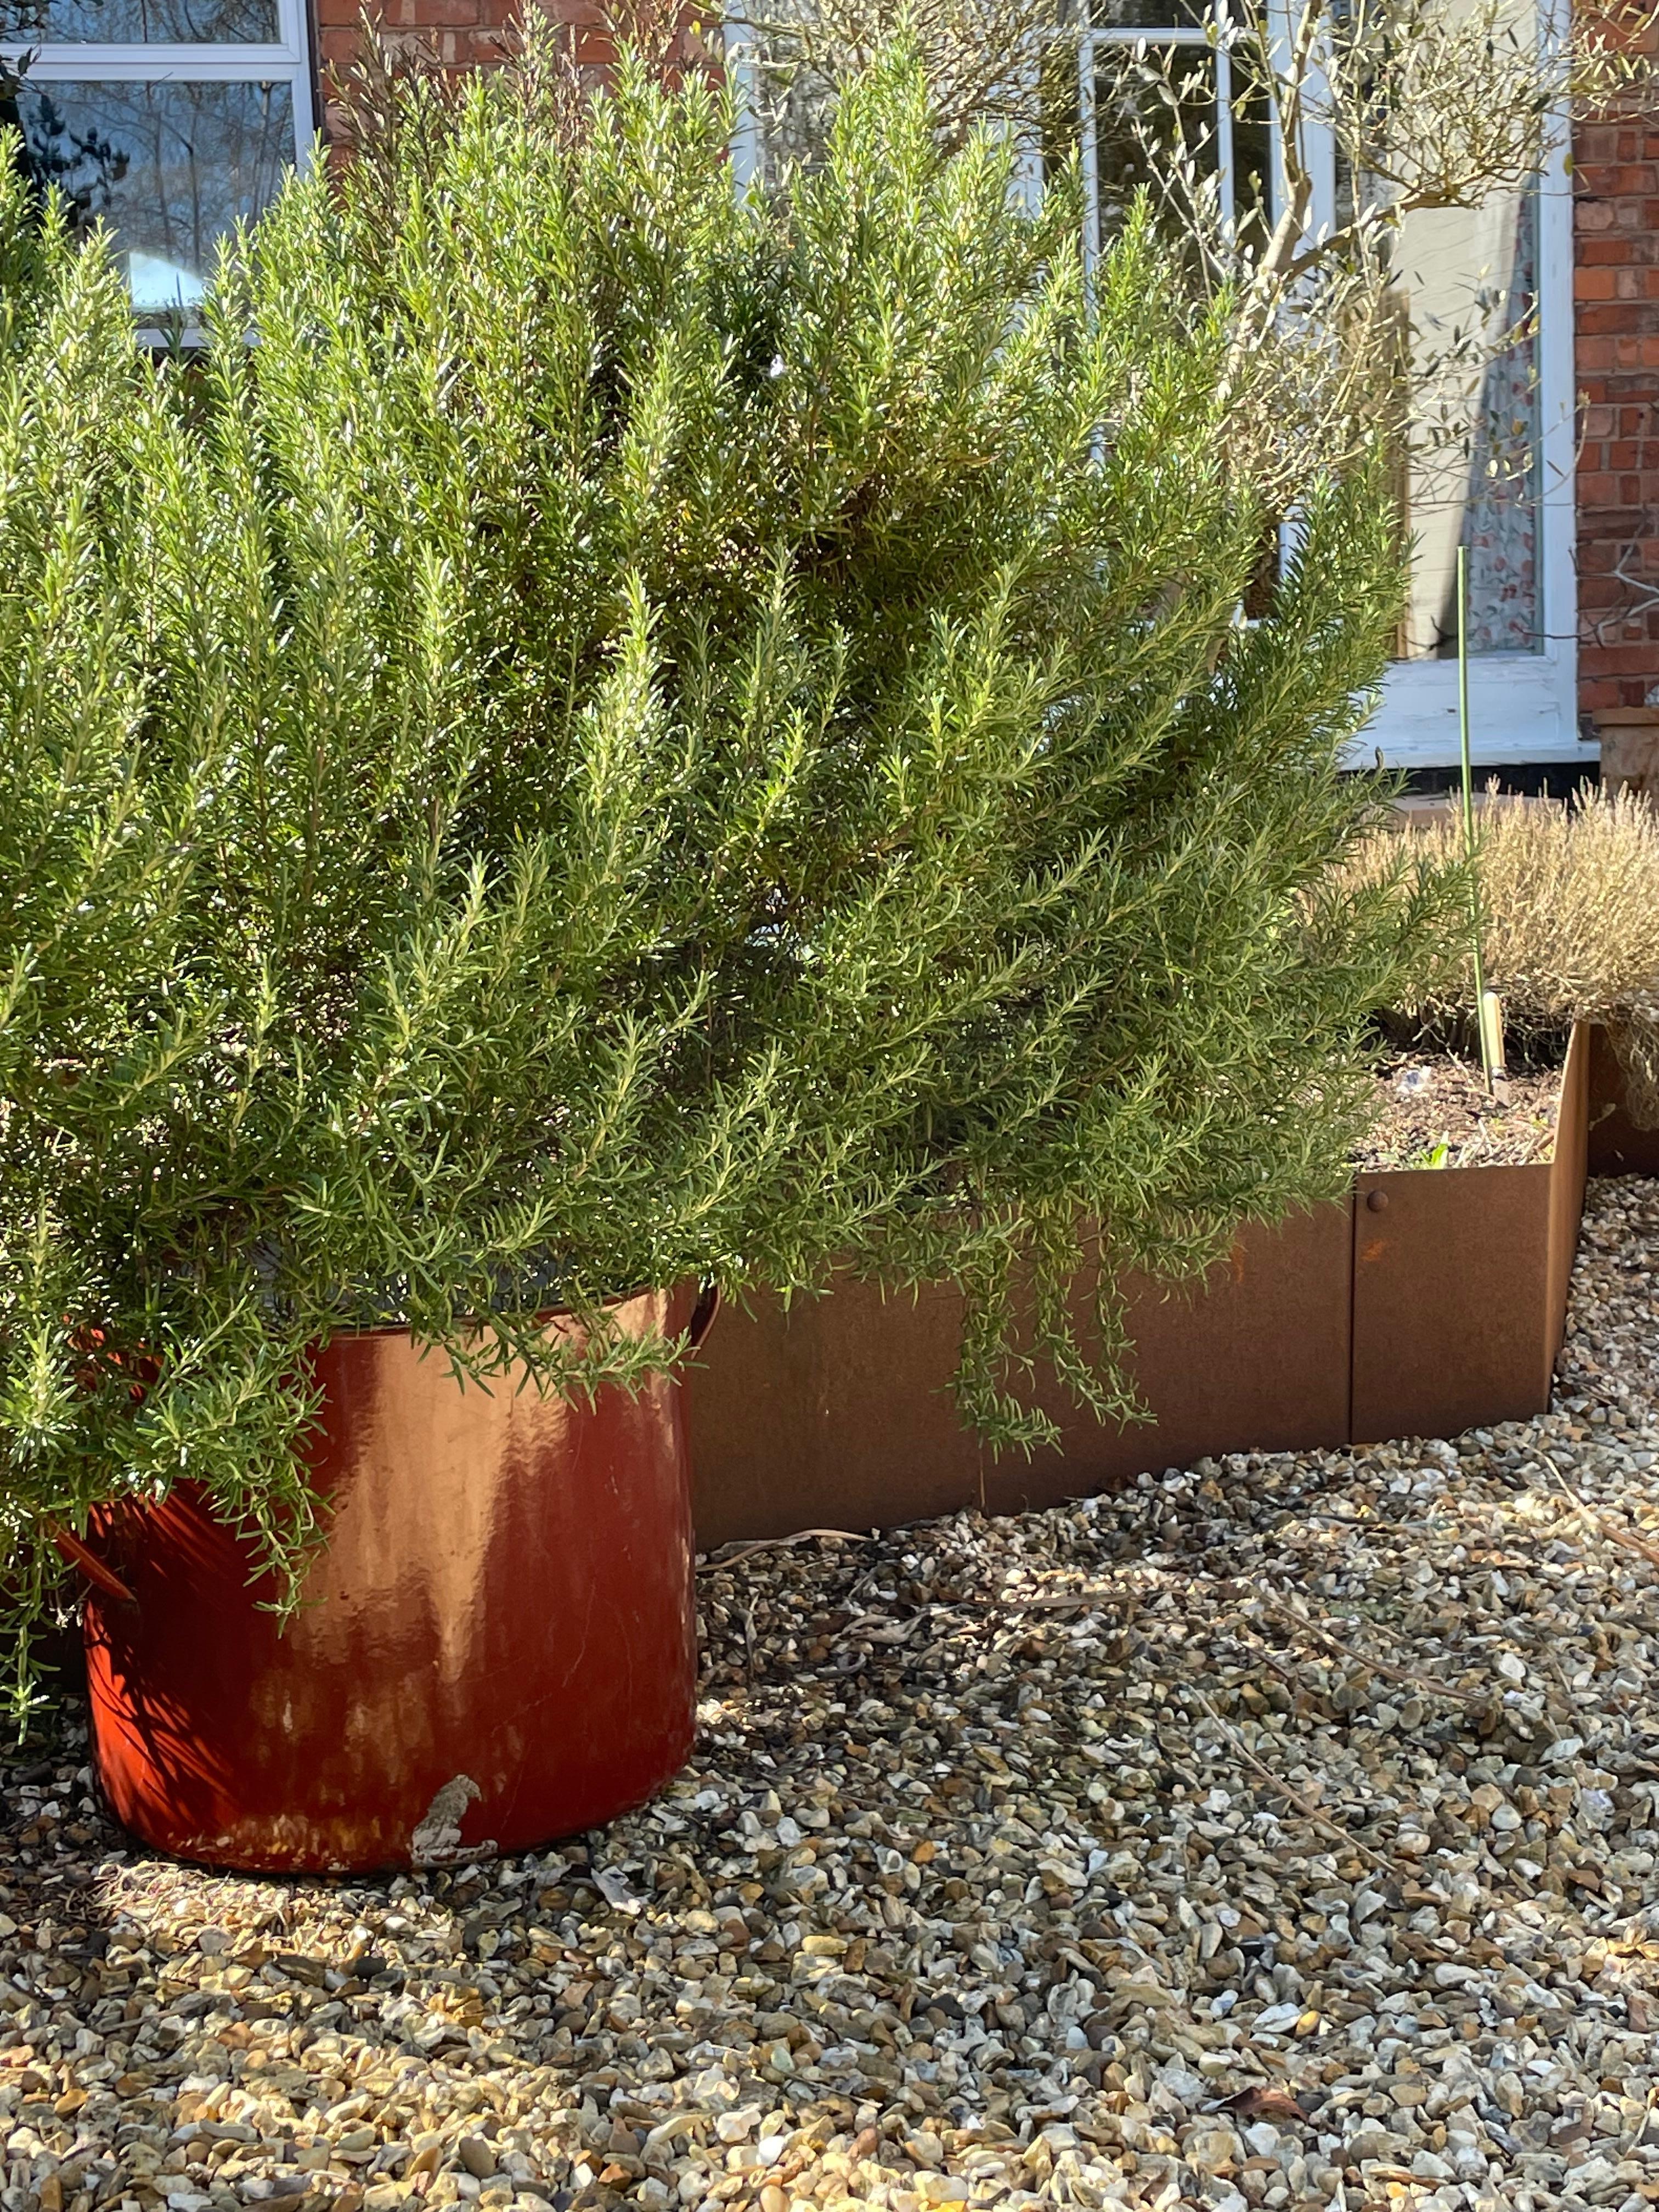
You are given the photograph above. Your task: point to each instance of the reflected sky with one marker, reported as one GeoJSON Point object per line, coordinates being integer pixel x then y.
{"type": "Point", "coordinates": [139, 22]}
{"type": "Point", "coordinates": [168, 167]}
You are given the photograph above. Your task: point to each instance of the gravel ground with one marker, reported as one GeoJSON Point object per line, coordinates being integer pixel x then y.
{"type": "Point", "coordinates": [1282, 1832]}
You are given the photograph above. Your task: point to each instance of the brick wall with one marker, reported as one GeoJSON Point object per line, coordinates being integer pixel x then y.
{"type": "Point", "coordinates": [1616, 330]}
{"type": "Point", "coordinates": [460, 34]}
{"type": "Point", "coordinates": [464, 34]}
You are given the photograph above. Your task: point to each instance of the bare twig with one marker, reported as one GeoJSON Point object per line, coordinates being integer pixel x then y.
{"type": "Point", "coordinates": [729, 1554]}
{"type": "Point", "coordinates": [1403, 1675]}
{"type": "Point", "coordinates": [1308, 1811]}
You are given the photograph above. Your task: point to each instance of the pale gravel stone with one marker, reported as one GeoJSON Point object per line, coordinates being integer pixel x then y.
{"type": "Point", "coordinates": [1282, 1833]}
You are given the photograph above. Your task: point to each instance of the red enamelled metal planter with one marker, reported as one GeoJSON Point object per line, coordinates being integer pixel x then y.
{"type": "Point", "coordinates": [496, 1647]}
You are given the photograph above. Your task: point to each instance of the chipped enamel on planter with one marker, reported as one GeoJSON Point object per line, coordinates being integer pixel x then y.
{"type": "Point", "coordinates": [497, 1645]}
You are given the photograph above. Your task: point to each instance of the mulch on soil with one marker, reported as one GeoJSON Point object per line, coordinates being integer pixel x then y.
{"type": "Point", "coordinates": [1433, 1110]}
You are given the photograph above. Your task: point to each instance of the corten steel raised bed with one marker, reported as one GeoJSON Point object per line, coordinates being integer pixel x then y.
{"type": "Point", "coordinates": [1617, 1145]}
{"type": "Point", "coordinates": [1459, 1284]}
{"type": "Point", "coordinates": [1430, 1302]}
{"type": "Point", "coordinates": [497, 1644]}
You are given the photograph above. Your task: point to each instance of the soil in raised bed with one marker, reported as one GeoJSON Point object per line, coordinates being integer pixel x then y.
{"type": "Point", "coordinates": [1433, 1110]}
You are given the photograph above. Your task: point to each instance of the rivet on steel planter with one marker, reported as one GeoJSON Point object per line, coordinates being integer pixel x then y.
{"type": "Point", "coordinates": [497, 1646]}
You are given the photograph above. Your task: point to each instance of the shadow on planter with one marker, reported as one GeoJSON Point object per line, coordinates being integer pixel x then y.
{"type": "Point", "coordinates": [1431, 1302]}
{"type": "Point", "coordinates": [497, 1644]}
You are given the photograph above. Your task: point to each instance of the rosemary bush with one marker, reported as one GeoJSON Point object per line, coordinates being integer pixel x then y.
{"type": "Point", "coordinates": [603, 733]}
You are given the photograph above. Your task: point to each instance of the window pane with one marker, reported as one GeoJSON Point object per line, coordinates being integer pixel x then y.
{"type": "Point", "coordinates": [1152, 15]}
{"type": "Point", "coordinates": [139, 22]}
{"type": "Point", "coordinates": [1470, 285]}
{"type": "Point", "coordinates": [168, 167]}
{"type": "Point", "coordinates": [1157, 105]}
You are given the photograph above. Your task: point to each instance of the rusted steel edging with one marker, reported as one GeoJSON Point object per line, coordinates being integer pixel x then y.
{"type": "Point", "coordinates": [1461, 1279]}
{"type": "Point", "coordinates": [839, 1414]}
{"type": "Point", "coordinates": [1439, 1309]}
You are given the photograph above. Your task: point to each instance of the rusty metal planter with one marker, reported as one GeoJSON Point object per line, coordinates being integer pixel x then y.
{"type": "Point", "coordinates": [496, 1645]}
{"type": "Point", "coordinates": [1428, 1303]}
{"type": "Point", "coordinates": [1617, 1145]}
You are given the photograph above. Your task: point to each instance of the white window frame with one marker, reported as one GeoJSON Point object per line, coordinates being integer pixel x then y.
{"type": "Point", "coordinates": [1523, 707]}
{"type": "Point", "coordinates": [1201, 37]}
{"type": "Point", "coordinates": [748, 163]}
{"type": "Point", "coordinates": [287, 62]}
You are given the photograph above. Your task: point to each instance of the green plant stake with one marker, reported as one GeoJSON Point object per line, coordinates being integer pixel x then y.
{"type": "Point", "coordinates": [1489, 1016]}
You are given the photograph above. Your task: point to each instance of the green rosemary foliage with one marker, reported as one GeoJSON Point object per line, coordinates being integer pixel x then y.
{"type": "Point", "coordinates": [605, 732]}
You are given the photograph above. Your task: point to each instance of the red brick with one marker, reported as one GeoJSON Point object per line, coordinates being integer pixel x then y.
{"type": "Point", "coordinates": [462, 33]}
{"type": "Point", "coordinates": [1635, 658]}
{"type": "Point", "coordinates": [437, 15]}
{"type": "Point", "coordinates": [1595, 592]}
{"type": "Point", "coordinates": [1597, 556]}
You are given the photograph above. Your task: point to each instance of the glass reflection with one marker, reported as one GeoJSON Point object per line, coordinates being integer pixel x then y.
{"type": "Point", "coordinates": [1152, 15]}
{"type": "Point", "coordinates": [1163, 107]}
{"type": "Point", "coordinates": [168, 169]}
{"type": "Point", "coordinates": [139, 22]}
{"type": "Point", "coordinates": [1469, 283]}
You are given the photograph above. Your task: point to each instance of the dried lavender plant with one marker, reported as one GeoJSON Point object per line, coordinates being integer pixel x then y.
{"type": "Point", "coordinates": [1570, 903]}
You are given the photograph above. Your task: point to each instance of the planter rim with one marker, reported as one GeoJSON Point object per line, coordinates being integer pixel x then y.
{"type": "Point", "coordinates": [542, 1315]}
